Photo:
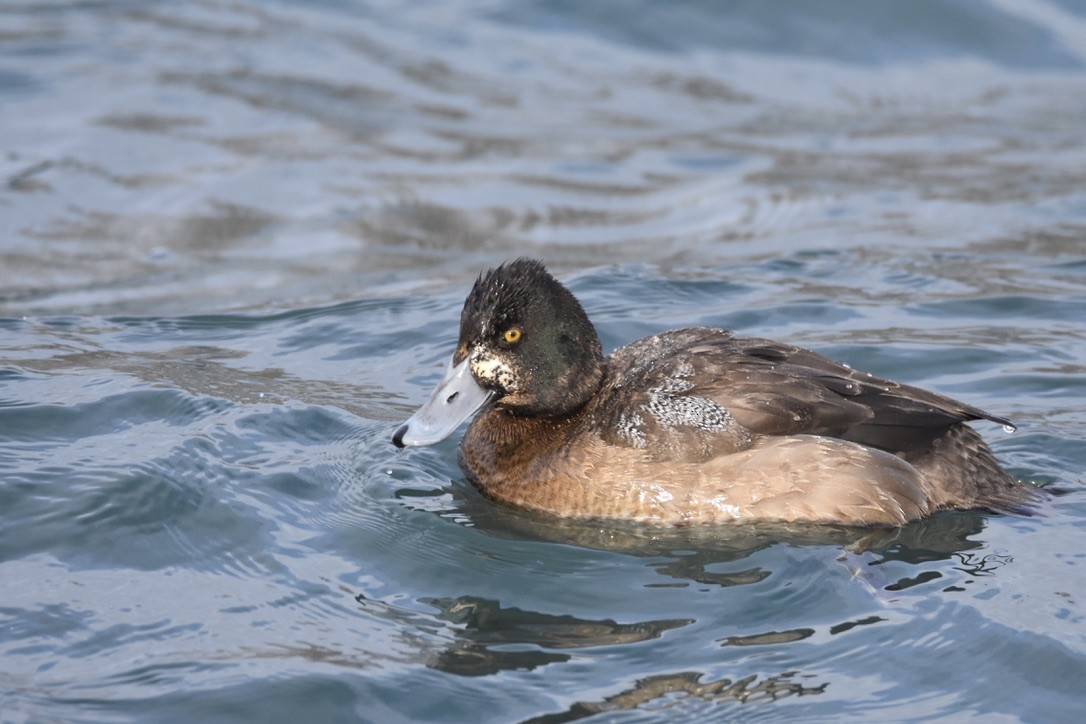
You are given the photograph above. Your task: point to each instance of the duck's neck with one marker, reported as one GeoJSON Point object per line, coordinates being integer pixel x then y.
{"type": "Point", "coordinates": [500, 448]}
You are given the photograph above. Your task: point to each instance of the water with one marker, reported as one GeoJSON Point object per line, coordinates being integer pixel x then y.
{"type": "Point", "coordinates": [234, 240]}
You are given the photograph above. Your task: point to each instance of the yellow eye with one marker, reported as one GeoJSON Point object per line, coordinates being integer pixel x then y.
{"type": "Point", "coordinates": [512, 335]}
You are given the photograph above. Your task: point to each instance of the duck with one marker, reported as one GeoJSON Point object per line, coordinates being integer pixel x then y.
{"type": "Point", "coordinates": [694, 425]}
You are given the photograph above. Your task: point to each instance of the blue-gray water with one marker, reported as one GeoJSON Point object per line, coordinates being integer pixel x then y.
{"type": "Point", "coordinates": [234, 240]}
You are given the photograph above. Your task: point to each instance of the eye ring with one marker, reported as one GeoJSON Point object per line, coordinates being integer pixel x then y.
{"type": "Point", "coordinates": [512, 335]}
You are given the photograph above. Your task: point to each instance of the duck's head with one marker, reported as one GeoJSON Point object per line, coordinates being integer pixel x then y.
{"type": "Point", "coordinates": [526, 346]}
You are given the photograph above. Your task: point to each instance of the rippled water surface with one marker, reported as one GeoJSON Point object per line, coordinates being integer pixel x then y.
{"type": "Point", "coordinates": [234, 241]}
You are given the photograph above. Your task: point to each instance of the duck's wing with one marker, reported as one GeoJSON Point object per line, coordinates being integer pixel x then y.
{"type": "Point", "coordinates": [778, 389]}
{"type": "Point", "coordinates": [770, 388]}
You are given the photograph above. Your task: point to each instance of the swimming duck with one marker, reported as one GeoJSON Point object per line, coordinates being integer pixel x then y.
{"type": "Point", "coordinates": [694, 425]}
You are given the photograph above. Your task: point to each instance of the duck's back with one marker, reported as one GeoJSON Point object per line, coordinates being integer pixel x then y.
{"type": "Point", "coordinates": [710, 377]}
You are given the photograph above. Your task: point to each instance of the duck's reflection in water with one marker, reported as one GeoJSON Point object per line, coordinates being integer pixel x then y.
{"type": "Point", "coordinates": [485, 629]}
{"type": "Point", "coordinates": [489, 638]}
{"type": "Point", "coordinates": [686, 684]}
{"type": "Point", "coordinates": [478, 636]}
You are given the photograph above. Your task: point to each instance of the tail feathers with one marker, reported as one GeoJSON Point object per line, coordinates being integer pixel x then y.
{"type": "Point", "coordinates": [1014, 499]}
{"type": "Point", "coordinates": [962, 472]}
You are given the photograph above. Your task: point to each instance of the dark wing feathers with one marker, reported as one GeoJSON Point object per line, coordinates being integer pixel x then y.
{"type": "Point", "coordinates": [828, 398]}
{"type": "Point", "coordinates": [777, 389]}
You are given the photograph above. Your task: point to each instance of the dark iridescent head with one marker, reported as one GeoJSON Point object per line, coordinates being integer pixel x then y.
{"type": "Point", "coordinates": [526, 346]}
{"type": "Point", "coordinates": [530, 341]}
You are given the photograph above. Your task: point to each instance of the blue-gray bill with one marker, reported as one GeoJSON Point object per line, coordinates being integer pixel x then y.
{"type": "Point", "coordinates": [455, 399]}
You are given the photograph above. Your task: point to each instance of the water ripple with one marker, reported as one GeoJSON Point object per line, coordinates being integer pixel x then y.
{"type": "Point", "coordinates": [237, 236]}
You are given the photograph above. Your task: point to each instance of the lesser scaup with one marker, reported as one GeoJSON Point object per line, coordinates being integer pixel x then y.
{"type": "Point", "coordinates": [693, 425]}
